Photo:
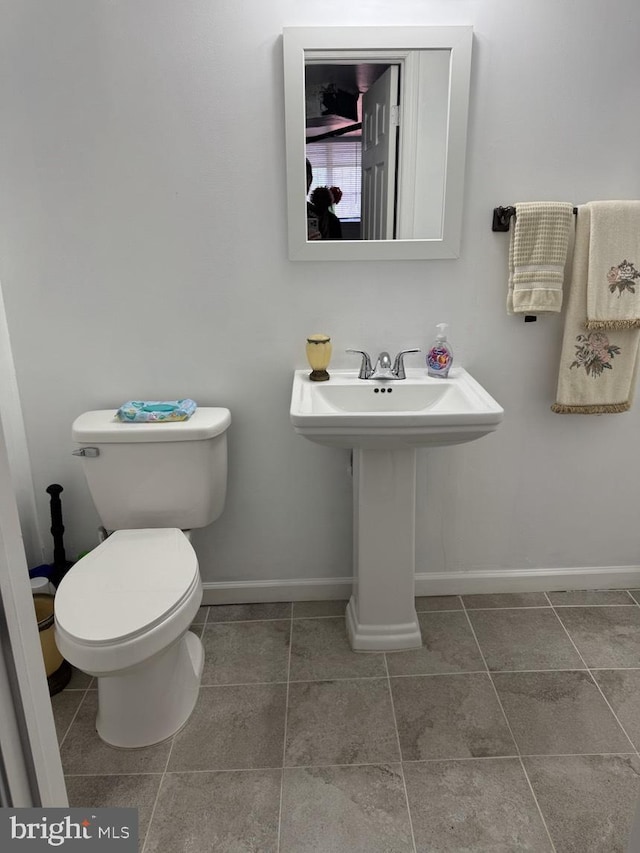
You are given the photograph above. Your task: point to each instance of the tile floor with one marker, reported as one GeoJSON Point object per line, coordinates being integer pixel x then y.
{"type": "Point", "coordinates": [516, 727]}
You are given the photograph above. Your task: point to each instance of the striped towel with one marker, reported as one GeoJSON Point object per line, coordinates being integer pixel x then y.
{"type": "Point", "coordinates": [598, 369]}
{"type": "Point", "coordinates": [613, 286]}
{"type": "Point", "coordinates": [537, 255]}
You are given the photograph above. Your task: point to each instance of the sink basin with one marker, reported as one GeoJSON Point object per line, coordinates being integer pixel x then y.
{"type": "Point", "coordinates": [419, 411]}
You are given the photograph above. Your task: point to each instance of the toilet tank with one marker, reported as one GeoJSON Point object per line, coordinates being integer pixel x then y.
{"type": "Point", "coordinates": [155, 474]}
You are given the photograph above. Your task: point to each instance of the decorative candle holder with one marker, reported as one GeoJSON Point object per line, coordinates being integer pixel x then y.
{"type": "Point", "coordinates": [319, 355]}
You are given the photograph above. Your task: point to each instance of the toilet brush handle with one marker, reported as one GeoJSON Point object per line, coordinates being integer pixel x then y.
{"type": "Point", "coordinates": [57, 530]}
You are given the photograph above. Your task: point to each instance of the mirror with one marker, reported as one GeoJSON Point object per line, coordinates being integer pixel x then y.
{"type": "Point", "coordinates": [377, 118]}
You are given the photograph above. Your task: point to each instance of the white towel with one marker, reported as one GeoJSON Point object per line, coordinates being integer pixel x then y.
{"type": "Point", "coordinates": [537, 256]}
{"type": "Point", "coordinates": [598, 369]}
{"type": "Point", "coordinates": [613, 288]}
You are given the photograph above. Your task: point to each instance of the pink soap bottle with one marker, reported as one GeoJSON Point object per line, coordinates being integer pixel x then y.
{"type": "Point", "coordinates": [440, 354]}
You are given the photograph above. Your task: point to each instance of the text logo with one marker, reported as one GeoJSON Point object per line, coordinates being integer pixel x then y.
{"type": "Point", "coordinates": [106, 829]}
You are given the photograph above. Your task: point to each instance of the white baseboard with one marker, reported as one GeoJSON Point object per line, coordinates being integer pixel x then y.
{"type": "Point", "coordinates": [436, 583]}
{"type": "Point", "coordinates": [249, 592]}
{"type": "Point", "coordinates": [527, 580]}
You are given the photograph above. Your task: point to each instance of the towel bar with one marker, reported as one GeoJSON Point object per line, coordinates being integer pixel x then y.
{"type": "Point", "coordinates": [502, 217]}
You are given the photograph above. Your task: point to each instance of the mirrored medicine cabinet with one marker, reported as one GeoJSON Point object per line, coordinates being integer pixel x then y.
{"type": "Point", "coordinates": [381, 113]}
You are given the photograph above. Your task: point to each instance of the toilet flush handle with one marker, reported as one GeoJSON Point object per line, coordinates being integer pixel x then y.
{"type": "Point", "coordinates": [86, 451]}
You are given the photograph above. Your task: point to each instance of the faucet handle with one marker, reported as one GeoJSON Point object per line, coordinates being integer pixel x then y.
{"type": "Point", "coordinates": [398, 364]}
{"type": "Point", "coordinates": [365, 366]}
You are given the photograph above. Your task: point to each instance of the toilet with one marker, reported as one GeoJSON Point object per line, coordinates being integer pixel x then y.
{"type": "Point", "coordinates": [122, 612]}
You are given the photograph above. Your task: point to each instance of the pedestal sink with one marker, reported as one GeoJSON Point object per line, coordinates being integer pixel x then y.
{"type": "Point", "coordinates": [385, 422]}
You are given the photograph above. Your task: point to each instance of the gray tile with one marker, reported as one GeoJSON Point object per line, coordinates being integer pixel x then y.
{"type": "Point", "coordinates": [481, 806]}
{"type": "Point", "coordinates": [244, 652]}
{"type": "Point", "coordinates": [588, 801]}
{"type": "Point", "coordinates": [320, 650]}
{"type": "Point", "coordinates": [505, 599]}
{"type": "Point", "coordinates": [449, 716]}
{"type": "Point", "coordinates": [201, 616]}
{"type": "Point", "coordinates": [340, 809]}
{"type": "Point", "coordinates": [217, 813]}
{"type": "Point", "coordinates": [622, 690]}
{"type": "Point", "coordinates": [134, 791]}
{"type": "Point", "coordinates": [553, 713]}
{"type": "Point", "coordinates": [340, 722]}
{"type": "Point", "coordinates": [635, 594]}
{"type": "Point", "coordinates": [590, 596]}
{"type": "Point", "coordinates": [64, 706]}
{"type": "Point", "coordinates": [524, 639]}
{"type": "Point", "coordinates": [607, 637]}
{"type": "Point", "coordinates": [302, 609]}
{"type": "Point", "coordinates": [448, 645]}
{"type": "Point", "coordinates": [233, 728]}
{"type": "Point", "coordinates": [429, 603]}
{"type": "Point", "coordinates": [249, 612]}
{"type": "Point", "coordinates": [79, 680]}
{"type": "Point", "coordinates": [84, 752]}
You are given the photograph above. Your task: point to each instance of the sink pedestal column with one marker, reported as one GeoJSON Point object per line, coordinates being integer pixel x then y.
{"type": "Point", "coordinates": [381, 614]}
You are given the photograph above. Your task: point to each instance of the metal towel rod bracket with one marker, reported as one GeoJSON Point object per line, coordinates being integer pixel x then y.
{"type": "Point", "coordinates": [502, 218]}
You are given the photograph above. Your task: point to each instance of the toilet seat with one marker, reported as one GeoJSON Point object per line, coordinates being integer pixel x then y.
{"type": "Point", "coordinates": [131, 596]}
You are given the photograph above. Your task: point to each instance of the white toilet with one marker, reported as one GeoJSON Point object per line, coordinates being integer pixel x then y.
{"type": "Point", "coordinates": [123, 611]}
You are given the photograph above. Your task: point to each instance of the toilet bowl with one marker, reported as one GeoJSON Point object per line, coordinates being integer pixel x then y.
{"type": "Point", "coordinates": [122, 614]}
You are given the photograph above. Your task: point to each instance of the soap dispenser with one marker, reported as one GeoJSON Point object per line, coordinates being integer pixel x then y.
{"type": "Point", "coordinates": [440, 355]}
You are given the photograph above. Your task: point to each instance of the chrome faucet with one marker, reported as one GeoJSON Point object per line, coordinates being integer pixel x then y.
{"type": "Point", "coordinates": [383, 368]}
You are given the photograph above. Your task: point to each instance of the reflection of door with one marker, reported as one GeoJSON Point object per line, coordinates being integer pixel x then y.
{"type": "Point", "coordinates": [379, 142]}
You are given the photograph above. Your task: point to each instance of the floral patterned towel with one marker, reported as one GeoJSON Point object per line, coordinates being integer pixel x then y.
{"type": "Point", "coordinates": [598, 367]}
{"type": "Point", "coordinates": [613, 280]}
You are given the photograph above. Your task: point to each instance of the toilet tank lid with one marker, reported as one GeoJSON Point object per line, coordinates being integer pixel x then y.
{"type": "Point", "coordinates": [102, 426]}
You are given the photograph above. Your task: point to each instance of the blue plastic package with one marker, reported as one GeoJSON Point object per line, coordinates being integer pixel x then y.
{"type": "Point", "coordinates": [150, 411]}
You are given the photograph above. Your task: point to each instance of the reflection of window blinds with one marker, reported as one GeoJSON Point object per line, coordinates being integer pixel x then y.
{"type": "Point", "coordinates": [336, 163]}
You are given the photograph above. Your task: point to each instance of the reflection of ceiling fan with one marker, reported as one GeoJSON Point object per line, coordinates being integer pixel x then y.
{"type": "Point", "coordinates": [338, 102]}
{"type": "Point", "coordinates": [339, 114]}
{"type": "Point", "coordinates": [345, 130]}
{"type": "Point", "coordinates": [333, 92]}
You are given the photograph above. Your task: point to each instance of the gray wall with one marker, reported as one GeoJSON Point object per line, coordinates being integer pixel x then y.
{"type": "Point", "coordinates": [143, 254]}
